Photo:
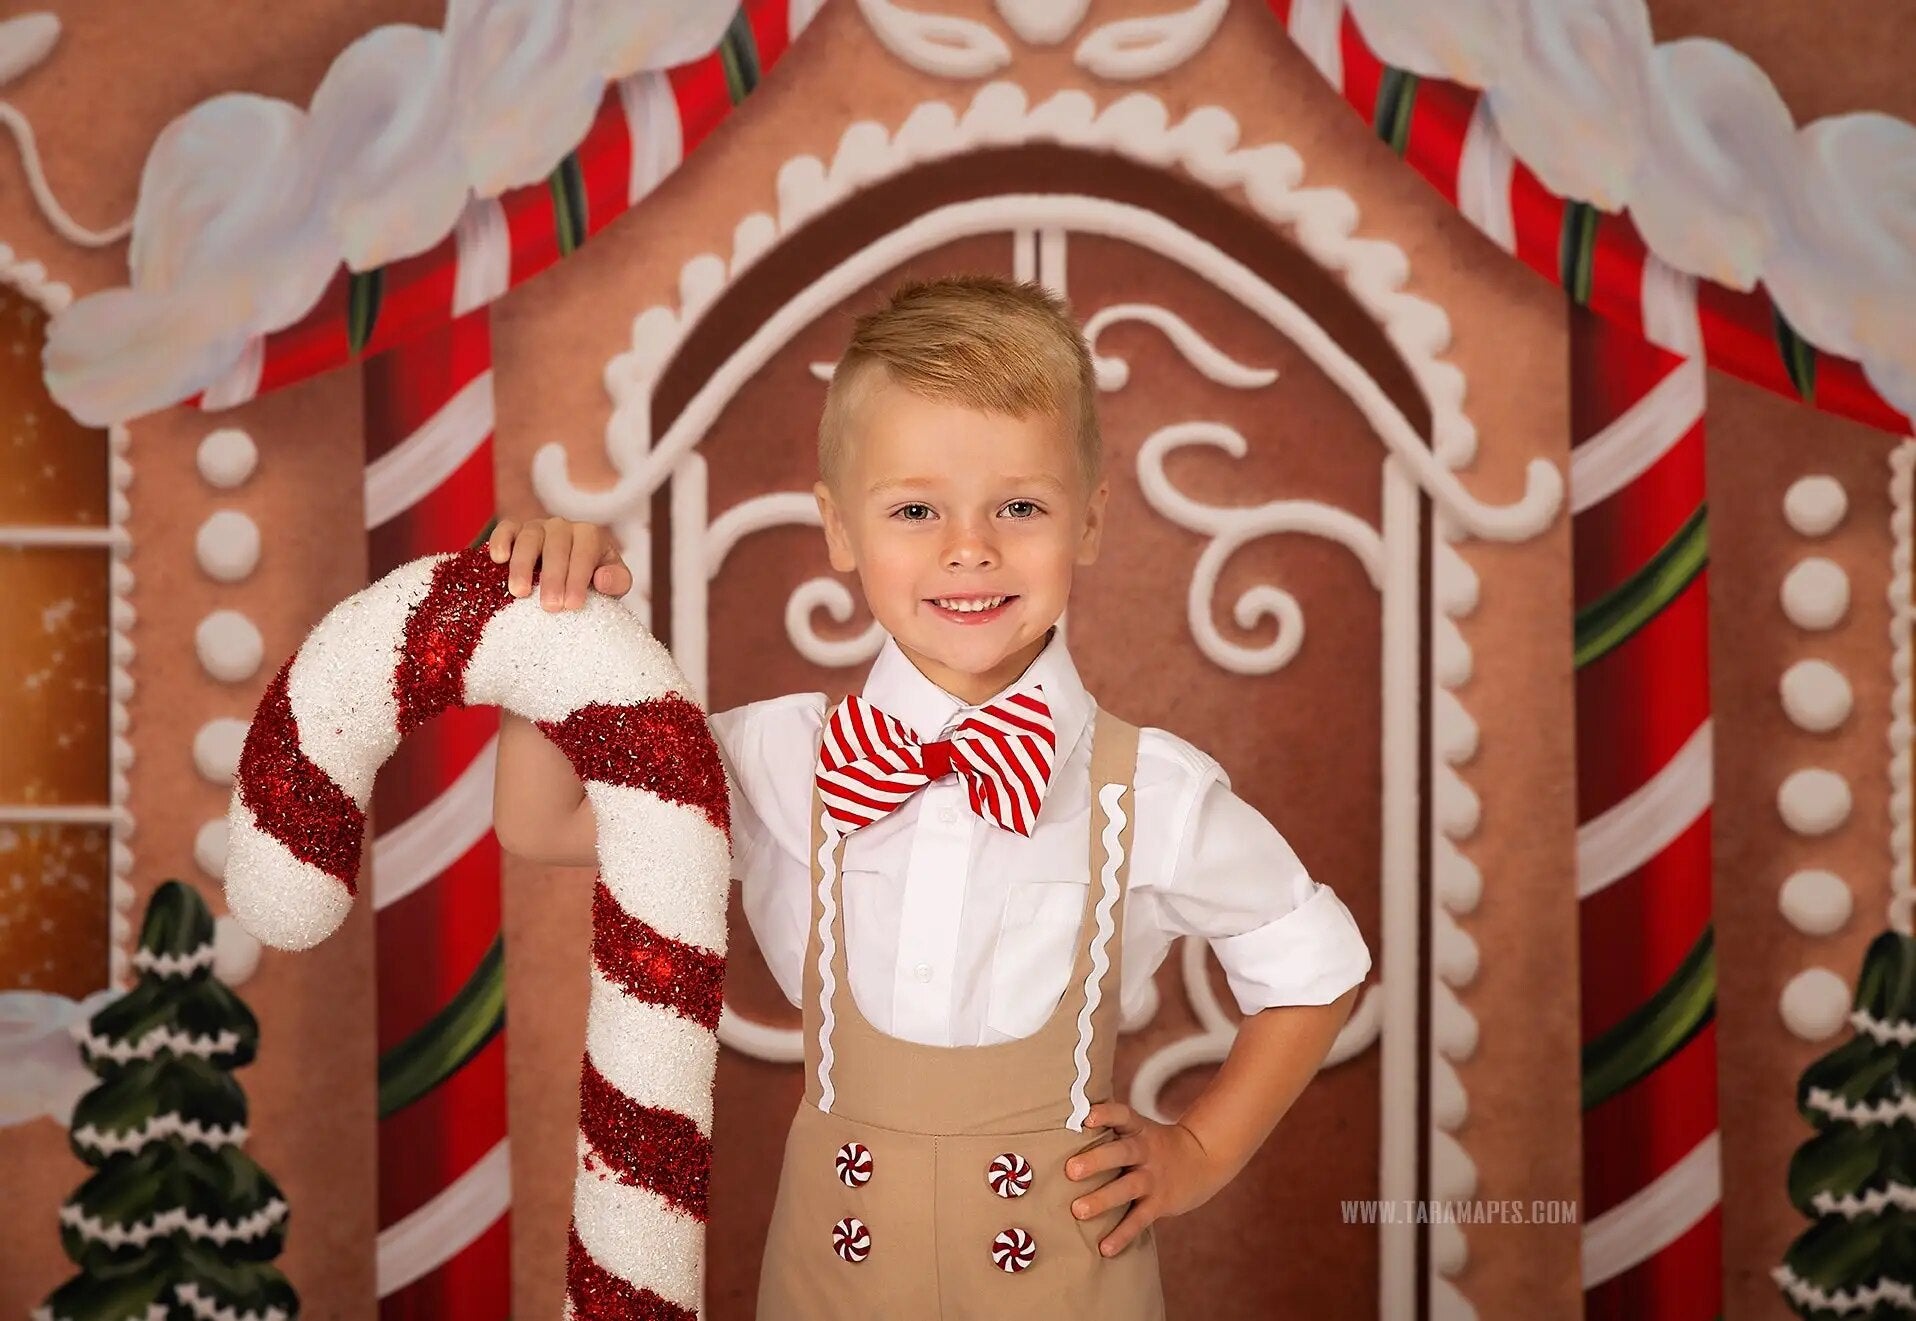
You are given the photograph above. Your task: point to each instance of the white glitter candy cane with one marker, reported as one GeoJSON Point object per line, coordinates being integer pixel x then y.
{"type": "Point", "coordinates": [444, 631]}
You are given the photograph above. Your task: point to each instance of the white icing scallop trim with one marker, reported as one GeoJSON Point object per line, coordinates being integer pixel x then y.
{"type": "Point", "coordinates": [30, 278]}
{"type": "Point", "coordinates": [140, 1233]}
{"type": "Point", "coordinates": [1111, 797]}
{"type": "Point", "coordinates": [174, 965]}
{"type": "Point", "coordinates": [156, 1128]}
{"type": "Point", "coordinates": [1875, 1112]}
{"type": "Point", "coordinates": [153, 1041]}
{"type": "Point", "coordinates": [1902, 883]}
{"type": "Point", "coordinates": [1809, 1295]}
{"type": "Point", "coordinates": [1854, 1206]}
{"type": "Point", "coordinates": [1897, 1031]}
{"type": "Point", "coordinates": [205, 1309]}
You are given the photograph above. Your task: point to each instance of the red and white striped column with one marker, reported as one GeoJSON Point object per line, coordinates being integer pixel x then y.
{"type": "Point", "coordinates": [1652, 1245]}
{"type": "Point", "coordinates": [444, 1171]}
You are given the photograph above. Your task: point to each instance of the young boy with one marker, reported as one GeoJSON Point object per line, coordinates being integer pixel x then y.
{"type": "Point", "coordinates": [962, 873]}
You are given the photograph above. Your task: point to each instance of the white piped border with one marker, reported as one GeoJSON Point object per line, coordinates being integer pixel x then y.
{"type": "Point", "coordinates": [1902, 885]}
{"type": "Point", "coordinates": [30, 278]}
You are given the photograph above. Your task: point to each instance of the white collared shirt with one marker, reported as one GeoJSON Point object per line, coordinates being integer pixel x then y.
{"type": "Point", "coordinates": [960, 933]}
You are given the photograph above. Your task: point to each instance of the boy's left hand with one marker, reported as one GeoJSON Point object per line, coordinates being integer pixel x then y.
{"type": "Point", "coordinates": [1167, 1172]}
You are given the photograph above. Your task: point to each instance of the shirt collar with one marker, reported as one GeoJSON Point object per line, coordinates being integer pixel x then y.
{"type": "Point", "coordinates": [900, 689]}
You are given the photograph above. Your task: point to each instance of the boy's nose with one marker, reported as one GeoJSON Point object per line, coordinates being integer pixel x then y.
{"type": "Point", "coordinates": [970, 550]}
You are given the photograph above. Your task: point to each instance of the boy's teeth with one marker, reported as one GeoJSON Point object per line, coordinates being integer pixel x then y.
{"type": "Point", "coordinates": [971, 607]}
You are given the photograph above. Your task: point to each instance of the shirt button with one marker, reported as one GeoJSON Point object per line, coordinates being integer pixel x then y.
{"type": "Point", "coordinates": [922, 972]}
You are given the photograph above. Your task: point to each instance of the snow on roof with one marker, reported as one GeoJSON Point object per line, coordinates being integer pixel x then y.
{"type": "Point", "coordinates": [1695, 140]}
{"type": "Point", "coordinates": [248, 204]}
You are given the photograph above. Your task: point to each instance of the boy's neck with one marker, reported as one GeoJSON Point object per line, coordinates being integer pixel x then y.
{"type": "Point", "coordinates": [973, 689]}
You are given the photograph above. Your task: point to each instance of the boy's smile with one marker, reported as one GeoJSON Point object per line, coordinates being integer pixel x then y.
{"type": "Point", "coordinates": [965, 528]}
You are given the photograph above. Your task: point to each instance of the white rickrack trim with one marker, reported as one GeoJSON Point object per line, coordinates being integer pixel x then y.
{"type": "Point", "coordinates": [206, 1309]}
{"type": "Point", "coordinates": [1880, 1112]}
{"type": "Point", "coordinates": [153, 1042]}
{"type": "Point", "coordinates": [1843, 1300]}
{"type": "Point", "coordinates": [1851, 1206]}
{"type": "Point", "coordinates": [1888, 1031]}
{"type": "Point", "coordinates": [170, 1222]}
{"type": "Point", "coordinates": [174, 965]}
{"type": "Point", "coordinates": [160, 1126]}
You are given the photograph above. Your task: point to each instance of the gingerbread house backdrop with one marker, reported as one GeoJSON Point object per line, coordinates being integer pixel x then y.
{"type": "Point", "coordinates": [1508, 428]}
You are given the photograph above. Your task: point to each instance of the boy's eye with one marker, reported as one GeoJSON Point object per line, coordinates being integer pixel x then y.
{"type": "Point", "coordinates": [1023, 509]}
{"type": "Point", "coordinates": [913, 513]}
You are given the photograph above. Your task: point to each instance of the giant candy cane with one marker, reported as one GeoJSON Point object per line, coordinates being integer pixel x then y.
{"type": "Point", "coordinates": [442, 632]}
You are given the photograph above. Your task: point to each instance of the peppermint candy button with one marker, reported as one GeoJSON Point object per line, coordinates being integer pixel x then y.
{"type": "Point", "coordinates": [1013, 1250]}
{"type": "Point", "coordinates": [854, 1165]}
{"type": "Point", "coordinates": [851, 1240]}
{"type": "Point", "coordinates": [1010, 1175]}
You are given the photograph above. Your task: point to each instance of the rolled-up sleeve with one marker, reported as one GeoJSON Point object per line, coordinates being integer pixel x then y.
{"type": "Point", "coordinates": [1282, 937]}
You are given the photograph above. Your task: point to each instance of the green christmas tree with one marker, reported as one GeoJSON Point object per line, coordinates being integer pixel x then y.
{"type": "Point", "coordinates": [1856, 1178]}
{"type": "Point", "coordinates": [176, 1221]}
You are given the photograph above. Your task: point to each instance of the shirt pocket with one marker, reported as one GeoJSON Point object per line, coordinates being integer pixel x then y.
{"type": "Point", "coordinates": [1037, 946]}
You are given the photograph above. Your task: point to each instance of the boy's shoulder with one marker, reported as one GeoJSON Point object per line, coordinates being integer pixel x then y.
{"type": "Point", "coordinates": [1165, 756]}
{"type": "Point", "coordinates": [789, 715]}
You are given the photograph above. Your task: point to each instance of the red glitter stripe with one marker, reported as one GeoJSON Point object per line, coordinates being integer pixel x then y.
{"type": "Point", "coordinates": [467, 590]}
{"type": "Point", "coordinates": [653, 967]}
{"type": "Point", "coordinates": [663, 746]}
{"type": "Point", "coordinates": [596, 1294]}
{"type": "Point", "coordinates": [293, 800]}
{"type": "Point", "coordinates": [644, 1146]}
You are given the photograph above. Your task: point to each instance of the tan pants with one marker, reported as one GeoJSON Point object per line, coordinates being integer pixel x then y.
{"type": "Point", "coordinates": [926, 1183]}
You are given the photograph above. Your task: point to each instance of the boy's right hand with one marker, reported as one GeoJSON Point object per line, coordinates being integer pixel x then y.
{"type": "Point", "coordinates": [570, 557]}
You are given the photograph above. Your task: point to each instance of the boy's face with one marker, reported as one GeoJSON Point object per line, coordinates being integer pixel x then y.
{"type": "Point", "coordinates": [939, 506]}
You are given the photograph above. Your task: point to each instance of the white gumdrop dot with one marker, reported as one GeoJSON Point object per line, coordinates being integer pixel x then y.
{"type": "Point", "coordinates": [1816, 593]}
{"type": "Point", "coordinates": [229, 646]}
{"type": "Point", "coordinates": [1815, 505]}
{"type": "Point", "coordinates": [228, 546]}
{"type": "Point", "coordinates": [227, 457]}
{"type": "Point", "coordinates": [1815, 1004]}
{"type": "Point", "coordinates": [1816, 902]}
{"type": "Point", "coordinates": [216, 748]}
{"type": "Point", "coordinates": [235, 951]}
{"type": "Point", "coordinates": [1813, 801]}
{"type": "Point", "coordinates": [209, 848]}
{"type": "Point", "coordinates": [1816, 696]}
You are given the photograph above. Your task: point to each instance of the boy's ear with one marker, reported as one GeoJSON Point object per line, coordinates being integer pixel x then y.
{"type": "Point", "coordinates": [1093, 534]}
{"type": "Point", "coordinates": [837, 541]}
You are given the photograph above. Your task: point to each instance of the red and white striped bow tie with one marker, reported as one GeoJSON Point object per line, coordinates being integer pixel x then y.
{"type": "Point", "coordinates": [869, 763]}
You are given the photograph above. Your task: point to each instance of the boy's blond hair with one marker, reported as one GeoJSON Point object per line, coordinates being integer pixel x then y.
{"type": "Point", "coordinates": [987, 343]}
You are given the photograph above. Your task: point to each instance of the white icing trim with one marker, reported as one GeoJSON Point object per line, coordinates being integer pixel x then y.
{"type": "Point", "coordinates": [156, 1128]}
{"type": "Point", "coordinates": [172, 1221]}
{"type": "Point", "coordinates": [188, 1295]}
{"type": "Point", "coordinates": [404, 475]}
{"type": "Point", "coordinates": [1210, 361]}
{"type": "Point", "coordinates": [153, 1041]}
{"type": "Point", "coordinates": [1852, 1206]}
{"type": "Point", "coordinates": [439, 1230]}
{"type": "Point", "coordinates": [827, 983]}
{"type": "Point", "coordinates": [1804, 1294]}
{"type": "Point", "coordinates": [426, 843]}
{"type": "Point", "coordinates": [174, 965]}
{"type": "Point", "coordinates": [30, 279]}
{"type": "Point", "coordinates": [1655, 1216]}
{"type": "Point", "coordinates": [1902, 875]}
{"type": "Point", "coordinates": [1874, 1112]}
{"type": "Point", "coordinates": [41, 32]}
{"type": "Point", "coordinates": [1643, 433]}
{"type": "Point", "coordinates": [1111, 798]}
{"type": "Point", "coordinates": [942, 45]}
{"type": "Point", "coordinates": [1900, 1031]}
{"type": "Point", "coordinates": [1630, 833]}
{"type": "Point", "coordinates": [1127, 49]}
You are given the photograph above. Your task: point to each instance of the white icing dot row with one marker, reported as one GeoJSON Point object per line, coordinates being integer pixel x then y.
{"type": "Point", "coordinates": [1813, 801]}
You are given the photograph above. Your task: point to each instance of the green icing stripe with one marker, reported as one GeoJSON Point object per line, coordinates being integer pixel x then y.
{"type": "Point", "coordinates": [1396, 100]}
{"type": "Point", "coordinates": [363, 290]}
{"type": "Point", "coordinates": [1655, 1031]}
{"type": "Point", "coordinates": [1576, 250]}
{"type": "Point", "coordinates": [1608, 622]}
{"type": "Point", "coordinates": [568, 204]}
{"type": "Point", "coordinates": [454, 1035]}
{"type": "Point", "coordinates": [1799, 355]}
{"type": "Point", "coordinates": [738, 52]}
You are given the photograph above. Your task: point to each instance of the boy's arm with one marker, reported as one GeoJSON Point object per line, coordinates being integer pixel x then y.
{"type": "Point", "coordinates": [539, 809]}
